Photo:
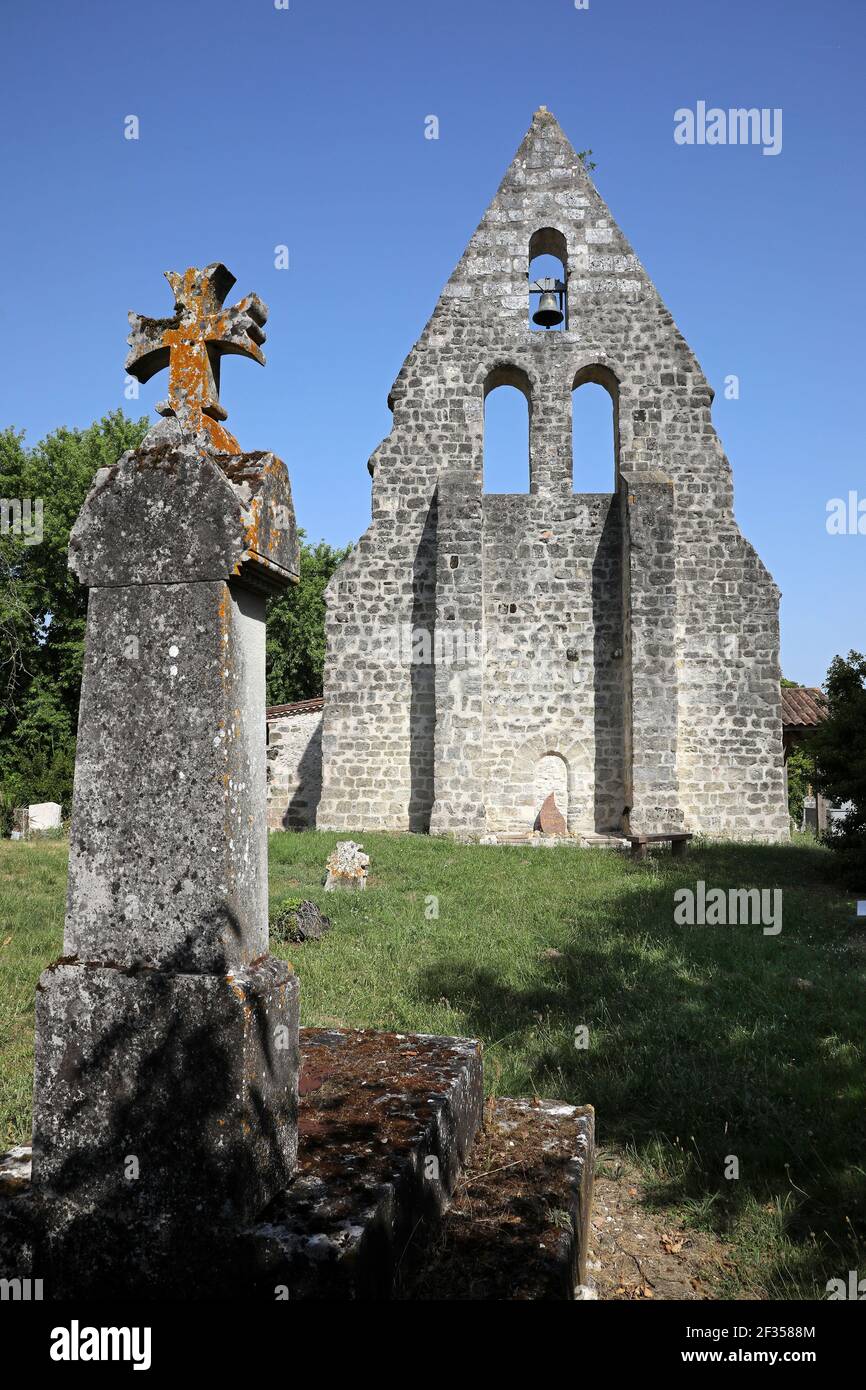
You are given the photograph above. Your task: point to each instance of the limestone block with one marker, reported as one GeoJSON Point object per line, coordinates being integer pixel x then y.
{"type": "Point", "coordinates": [158, 1094]}
{"type": "Point", "coordinates": [168, 847]}
{"type": "Point", "coordinates": [169, 511]}
{"type": "Point", "coordinates": [45, 815]}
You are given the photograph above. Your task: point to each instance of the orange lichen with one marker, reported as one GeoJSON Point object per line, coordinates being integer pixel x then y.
{"type": "Point", "coordinates": [190, 345]}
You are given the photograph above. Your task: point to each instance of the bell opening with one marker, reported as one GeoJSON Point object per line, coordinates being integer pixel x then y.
{"type": "Point", "coordinates": [547, 293]}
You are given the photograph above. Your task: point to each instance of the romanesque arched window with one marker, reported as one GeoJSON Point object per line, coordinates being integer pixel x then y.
{"type": "Point", "coordinates": [507, 418]}
{"type": "Point", "coordinates": [595, 430]}
{"type": "Point", "coordinates": [548, 280]}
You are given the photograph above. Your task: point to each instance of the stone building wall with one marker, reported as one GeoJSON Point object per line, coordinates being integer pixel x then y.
{"type": "Point", "coordinates": [294, 765]}
{"type": "Point", "coordinates": [633, 634]}
{"type": "Point", "coordinates": [553, 668]}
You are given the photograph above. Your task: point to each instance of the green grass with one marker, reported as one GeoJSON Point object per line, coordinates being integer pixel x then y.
{"type": "Point", "coordinates": [32, 902]}
{"type": "Point", "coordinates": [702, 1042]}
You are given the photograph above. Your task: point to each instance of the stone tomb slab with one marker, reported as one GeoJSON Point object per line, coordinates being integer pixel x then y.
{"type": "Point", "coordinates": [397, 1195]}
{"type": "Point", "coordinates": [517, 1228]}
{"type": "Point", "coordinates": [386, 1122]}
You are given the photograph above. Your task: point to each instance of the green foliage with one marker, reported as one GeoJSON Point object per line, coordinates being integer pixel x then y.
{"type": "Point", "coordinates": [801, 770]}
{"type": "Point", "coordinates": [801, 776]}
{"type": "Point", "coordinates": [296, 628]}
{"type": "Point", "coordinates": [839, 748]}
{"type": "Point", "coordinates": [7, 806]}
{"type": "Point", "coordinates": [585, 157]}
{"type": "Point", "coordinates": [282, 919]}
{"type": "Point", "coordinates": [43, 608]}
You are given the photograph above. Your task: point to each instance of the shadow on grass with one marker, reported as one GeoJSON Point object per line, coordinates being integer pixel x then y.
{"type": "Point", "coordinates": [706, 1043]}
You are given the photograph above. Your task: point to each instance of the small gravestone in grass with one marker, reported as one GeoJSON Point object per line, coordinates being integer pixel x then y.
{"type": "Point", "coordinates": [347, 868]}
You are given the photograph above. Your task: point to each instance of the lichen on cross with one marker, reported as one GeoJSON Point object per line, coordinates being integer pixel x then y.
{"type": "Point", "coordinates": [191, 343]}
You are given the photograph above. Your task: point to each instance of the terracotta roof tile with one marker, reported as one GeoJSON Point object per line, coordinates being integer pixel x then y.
{"type": "Point", "coordinates": [299, 707]}
{"type": "Point", "coordinates": [803, 706]}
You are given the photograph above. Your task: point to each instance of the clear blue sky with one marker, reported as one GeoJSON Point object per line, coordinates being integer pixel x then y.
{"type": "Point", "coordinates": [305, 127]}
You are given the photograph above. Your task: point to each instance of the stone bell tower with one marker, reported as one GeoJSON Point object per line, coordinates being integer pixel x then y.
{"type": "Point", "coordinates": [626, 642]}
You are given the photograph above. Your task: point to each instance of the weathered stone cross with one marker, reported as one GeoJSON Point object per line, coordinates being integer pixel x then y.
{"type": "Point", "coordinates": [167, 1033]}
{"type": "Point", "coordinates": [191, 343]}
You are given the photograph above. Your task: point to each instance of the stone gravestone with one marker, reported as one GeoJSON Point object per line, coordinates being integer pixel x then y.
{"type": "Point", "coordinates": [347, 868]}
{"type": "Point", "coordinates": [165, 1103]}
{"type": "Point", "coordinates": [29, 820]}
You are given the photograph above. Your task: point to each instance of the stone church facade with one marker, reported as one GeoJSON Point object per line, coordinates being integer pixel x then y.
{"type": "Point", "coordinates": [618, 648]}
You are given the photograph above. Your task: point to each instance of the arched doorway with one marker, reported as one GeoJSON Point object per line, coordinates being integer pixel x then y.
{"type": "Point", "coordinates": [551, 779]}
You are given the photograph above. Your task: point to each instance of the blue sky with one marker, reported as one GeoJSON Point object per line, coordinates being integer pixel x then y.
{"type": "Point", "coordinates": [304, 127]}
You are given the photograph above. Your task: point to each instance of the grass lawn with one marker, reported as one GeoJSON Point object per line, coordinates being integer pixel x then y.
{"type": "Point", "coordinates": [704, 1042]}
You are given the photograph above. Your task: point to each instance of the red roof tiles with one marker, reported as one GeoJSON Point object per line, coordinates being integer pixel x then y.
{"type": "Point", "coordinates": [803, 706]}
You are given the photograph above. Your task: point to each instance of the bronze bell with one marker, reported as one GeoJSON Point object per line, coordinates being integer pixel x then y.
{"type": "Point", "coordinates": [548, 314]}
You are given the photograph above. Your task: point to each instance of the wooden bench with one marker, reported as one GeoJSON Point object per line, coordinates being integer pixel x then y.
{"type": "Point", "coordinates": [677, 839]}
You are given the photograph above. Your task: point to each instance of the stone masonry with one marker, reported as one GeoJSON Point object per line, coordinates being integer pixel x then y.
{"type": "Point", "coordinates": [473, 640]}
{"type": "Point", "coordinates": [294, 764]}
{"type": "Point", "coordinates": [166, 1069]}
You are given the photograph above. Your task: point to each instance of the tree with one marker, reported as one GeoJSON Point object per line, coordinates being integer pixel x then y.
{"type": "Point", "coordinates": [800, 768]}
{"type": "Point", "coordinates": [839, 748]}
{"type": "Point", "coordinates": [801, 776]}
{"type": "Point", "coordinates": [296, 627]}
{"type": "Point", "coordinates": [43, 611]}
{"type": "Point", "coordinates": [42, 606]}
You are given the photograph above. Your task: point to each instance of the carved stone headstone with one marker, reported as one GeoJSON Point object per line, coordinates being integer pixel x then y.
{"type": "Point", "coordinates": [347, 867]}
{"type": "Point", "coordinates": [166, 1037]}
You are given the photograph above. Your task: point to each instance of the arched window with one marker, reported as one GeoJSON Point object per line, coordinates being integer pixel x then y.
{"type": "Point", "coordinates": [595, 430]}
{"type": "Point", "coordinates": [548, 270]}
{"type": "Point", "coordinates": [507, 412]}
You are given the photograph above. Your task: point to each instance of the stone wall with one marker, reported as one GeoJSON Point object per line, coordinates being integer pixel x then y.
{"type": "Point", "coordinates": [294, 765]}
{"type": "Point", "coordinates": [634, 634]}
{"type": "Point", "coordinates": [553, 664]}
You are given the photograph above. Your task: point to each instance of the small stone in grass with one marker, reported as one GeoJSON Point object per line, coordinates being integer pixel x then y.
{"type": "Point", "coordinates": [298, 921]}
{"type": "Point", "coordinates": [347, 867]}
